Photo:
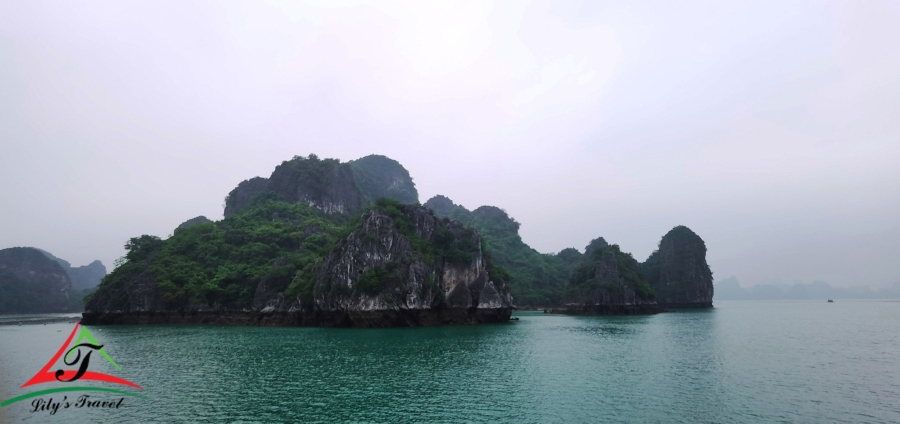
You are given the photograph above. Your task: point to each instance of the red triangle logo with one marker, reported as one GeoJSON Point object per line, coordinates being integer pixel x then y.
{"type": "Point", "coordinates": [46, 376]}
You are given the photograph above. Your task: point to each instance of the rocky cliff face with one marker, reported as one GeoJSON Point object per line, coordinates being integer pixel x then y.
{"type": "Point", "coordinates": [678, 271]}
{"type": "Point", "coordinates": [30, 282]}
{"type": "Point", "coordinates": [608, 281]}
{"type": "Point", "coordinates": [385, 274]}
{"type": "Point", "coordinates": [327, 184]}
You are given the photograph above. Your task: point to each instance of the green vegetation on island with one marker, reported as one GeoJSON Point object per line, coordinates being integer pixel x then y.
{"type": "Point", "coordinates": [536, 279]}
{"type": "Point", "coordinates": [223, 262]}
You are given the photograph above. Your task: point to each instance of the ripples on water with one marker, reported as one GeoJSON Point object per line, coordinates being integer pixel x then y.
{"type": "Point", "coordinates": [740, 362]}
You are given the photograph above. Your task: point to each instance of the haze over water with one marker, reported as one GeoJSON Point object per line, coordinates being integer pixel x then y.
{"type": "Point", "coordinates": [739, 362]}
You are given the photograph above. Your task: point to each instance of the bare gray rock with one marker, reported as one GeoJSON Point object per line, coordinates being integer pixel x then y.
{"type": "Point", "coordinates": [397, 269]}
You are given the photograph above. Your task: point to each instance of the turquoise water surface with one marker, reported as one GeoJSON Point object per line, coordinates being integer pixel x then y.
{"type": "Point", "coordinates": [739, 362]}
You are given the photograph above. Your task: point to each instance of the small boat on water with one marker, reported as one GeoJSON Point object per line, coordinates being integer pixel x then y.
{"type": "Point", "coordinates": [830, 301]}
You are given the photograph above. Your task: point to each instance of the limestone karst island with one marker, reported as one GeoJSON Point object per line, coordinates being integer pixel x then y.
{"type": "Point", "coordinates": [325, 243]}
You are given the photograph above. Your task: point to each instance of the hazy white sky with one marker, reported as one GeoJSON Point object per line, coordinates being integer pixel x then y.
{"type": "Point", "coordinates": [769, 128]}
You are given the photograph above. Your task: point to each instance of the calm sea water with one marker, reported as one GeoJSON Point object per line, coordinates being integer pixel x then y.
{"type": "Point", "coordinates": [739, 362]}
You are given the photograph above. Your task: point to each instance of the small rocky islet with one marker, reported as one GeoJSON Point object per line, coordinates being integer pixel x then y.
{"type": "Point", "coordinates": [611, 282]}
{"type": "Point", "coordinates": [325, 243]}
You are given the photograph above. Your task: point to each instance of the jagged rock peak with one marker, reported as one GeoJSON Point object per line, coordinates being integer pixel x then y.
{"type": "Point", "coordinates": [327, 184]}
